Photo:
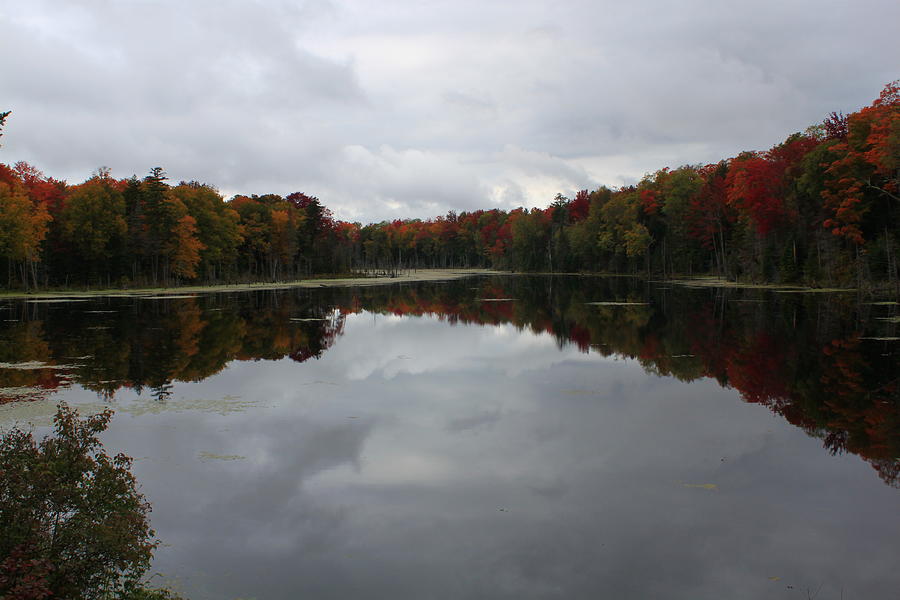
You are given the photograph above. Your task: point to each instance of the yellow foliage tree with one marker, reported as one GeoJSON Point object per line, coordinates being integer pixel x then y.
{"type": "Point", "coordinates": [23, 226]}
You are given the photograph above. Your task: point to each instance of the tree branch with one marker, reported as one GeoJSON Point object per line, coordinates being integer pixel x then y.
{"type": "Point", "coordinates": [883, 191]}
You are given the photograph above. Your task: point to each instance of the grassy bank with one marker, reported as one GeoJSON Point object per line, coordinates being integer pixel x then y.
{"type": "Point", "coordinates": [402, 276]}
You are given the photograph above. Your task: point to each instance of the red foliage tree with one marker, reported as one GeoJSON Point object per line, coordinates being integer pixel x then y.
{"type": "Point", "coordinates": [755, 187]}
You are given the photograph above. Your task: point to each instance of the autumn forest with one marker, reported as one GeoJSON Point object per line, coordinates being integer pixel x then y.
{"type": "Point", "coordinates": [821, 209]}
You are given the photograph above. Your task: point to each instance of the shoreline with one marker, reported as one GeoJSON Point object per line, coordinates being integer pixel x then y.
{"type": "Point", "coordinates": [407, 276]}
{"type": "Point", "coordinates": [412, 276]}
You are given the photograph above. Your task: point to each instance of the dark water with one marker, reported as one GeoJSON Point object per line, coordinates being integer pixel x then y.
{"type": "Point", "coordinates": [493, 437]}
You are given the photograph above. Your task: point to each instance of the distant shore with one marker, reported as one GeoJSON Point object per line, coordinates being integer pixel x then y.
{"type": "Point", "coordinates": [403, 276]}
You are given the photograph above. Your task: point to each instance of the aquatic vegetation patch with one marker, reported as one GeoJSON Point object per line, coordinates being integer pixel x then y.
{"type": "Point", "coordinates": [225, 405]}
{"type": "Point", "coordinates": [11, 394]}
{"type": "Point", "coordinates": [618, 303]}
{"type": "Point", "coordinates": [32, 365]}
{"type": "Point", "coordinates": [25, 366]}
{"type": "Point", "coordinates": [812, 290]}
{"type": "Point", "coordinates": [36, 407]}
{"type": "Point", "coordinates": [214, 456]}
{"type": "Point", "coordinates": [717, 282]}
{"type": "Point", "coordinates": [702, 486]}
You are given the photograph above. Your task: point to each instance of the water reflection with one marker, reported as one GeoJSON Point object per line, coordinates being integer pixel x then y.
{"type": "Point", "coordinates": [566, 437]}
{"type": "Point", "coordinates": [827, 364]}
{"type": "Point", "coordinates": [531, 471]}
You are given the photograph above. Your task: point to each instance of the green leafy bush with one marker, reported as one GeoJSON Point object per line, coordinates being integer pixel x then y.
{"type": "Point", "coordinates": [72, 521]}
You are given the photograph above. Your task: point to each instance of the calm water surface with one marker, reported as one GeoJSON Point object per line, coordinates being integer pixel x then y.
{"type": "Point", "coordinates": [505, 437]}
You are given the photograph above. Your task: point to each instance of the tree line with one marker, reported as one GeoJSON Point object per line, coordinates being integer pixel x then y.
{"type": "Point", "coordinates": [820, 208]}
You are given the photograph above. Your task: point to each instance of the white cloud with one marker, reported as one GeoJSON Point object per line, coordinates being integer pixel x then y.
{"type": "Point", "coordinates": [413, 109]}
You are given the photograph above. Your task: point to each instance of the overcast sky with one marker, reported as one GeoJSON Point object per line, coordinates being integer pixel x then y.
{"type": "Point", "coordinates": [395, 108]}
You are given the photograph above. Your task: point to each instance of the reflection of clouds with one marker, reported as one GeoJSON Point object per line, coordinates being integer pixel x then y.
{"type": "Point", "coordinates": [460, 348]}
{"type": "Point", "coordinates": [484, 420]}
{"type": "Point", "coordinates": [213, 515]}
{"type": "Point", "coordinates": [472, 470]}
{"type": "Point", "coordinates": [400, 468]}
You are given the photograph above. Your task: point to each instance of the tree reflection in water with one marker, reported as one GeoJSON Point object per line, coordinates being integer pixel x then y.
{"type": "Point", "coordinates": [826, 363]}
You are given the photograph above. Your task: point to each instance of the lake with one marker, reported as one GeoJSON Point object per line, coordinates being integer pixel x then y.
{"type": "Point", "coordinates": [491, 437]}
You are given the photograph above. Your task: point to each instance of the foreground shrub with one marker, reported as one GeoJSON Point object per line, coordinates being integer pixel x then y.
{"type": "Point", "coordinates": [72, 521]}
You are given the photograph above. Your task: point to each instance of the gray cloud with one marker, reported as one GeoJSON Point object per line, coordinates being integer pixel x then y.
{"type": "Point", "coordinates": [408, 109]}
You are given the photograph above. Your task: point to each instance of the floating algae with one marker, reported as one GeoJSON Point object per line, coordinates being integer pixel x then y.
{"type": "Point", "coordinates": [23, 393]}
{"type": "Point", "coordinates": [703, 486]}
{"type": "Point", "coordinates": [31, 406]}
{"type": "Point", "coordinates": [25, 366]}
{"type": "Point", "coordinates": [812, 290]}
{"type": "Point", "coordinates": [213, 456]}
{"type": "Point", "coordinates": [223, 406]}
{"type": "Point", "coordinates": [617, 303]}
{"type": "Point", "coordinates": [33, 365]}
{"type": "Point", "coordinates": [716, 282]}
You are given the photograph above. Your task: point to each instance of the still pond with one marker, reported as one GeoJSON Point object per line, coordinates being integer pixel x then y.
{"type": "Point", "coordinates": [491, 437]}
